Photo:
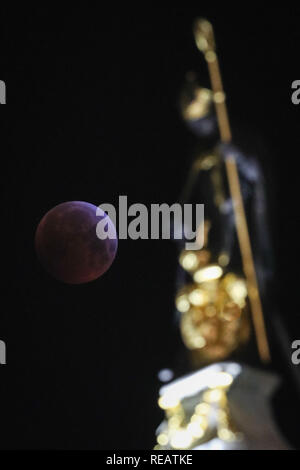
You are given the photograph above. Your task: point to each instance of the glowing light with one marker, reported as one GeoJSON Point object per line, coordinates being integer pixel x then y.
{"type": "Point", "coordinates": [220, 379]}
{"type": "Point", "coordinates": [209, 273]}
{"type": "Point", "coordinates": [168, 401]}
{"type": "Point", "coordinates": [213, 396]}
{"type": "Point", "coordinates": [194, 383]}
{"type": "Point", "coordinates": [162, 439]}
{"type": "Point", "coordinates": [199, 342]}
{"type": "Point", "coordinates": [165, 375]}
{"type": "Point", "coordinates": [214, 444]}
{"type": "Point", "coordinates": [233, 369]}
{"type": "Point", "coordinates": [197, 109]}
{"type": "Point", "coordinates": [207, 164]}
{"type": "Point", "coordinates": [202, 409]}
{"type": "Point", "coordinates": [210, 56]}
{"type": "Point", "coordinates": [181, 440]}
{"type": "Point", "coordinates": [226, 435]}
{"type": "Point", "coordinates": [219, 97]}
{"type": "Point", "coordinates": [202, 43]}
{"type": "Point", "coordinates": [238, 291]}
{"type": "Point", "coordinates": [199, 421]}
{"type": "Point", "coordinates": [174, 422]}
{"type": "Point", "coordinates": [199, 106]}
{"type": "Point", "coordinates": [184, 430]}
{"type": "Point", "coordinates": [195, 430]}
{"type": "Point", "coordinates": [189, 261]}
{"type": "Point", "coordinates": [182, 304]}
{"type": "Point", "coordinates": [198, 297]}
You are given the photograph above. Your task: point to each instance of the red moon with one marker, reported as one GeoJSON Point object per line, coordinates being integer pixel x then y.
{"type": "Point", "coordinates": [67, 244]}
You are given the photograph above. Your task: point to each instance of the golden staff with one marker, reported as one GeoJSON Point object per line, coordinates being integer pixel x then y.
{"type": "Point", "coordinates": [204, 36]}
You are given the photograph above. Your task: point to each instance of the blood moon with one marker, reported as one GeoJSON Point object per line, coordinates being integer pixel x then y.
{"type": "Point", "coordinates": [67, 244]}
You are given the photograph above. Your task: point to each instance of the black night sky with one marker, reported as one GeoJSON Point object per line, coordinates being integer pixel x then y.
{"type": "Point", "coordinates": [93, 114]}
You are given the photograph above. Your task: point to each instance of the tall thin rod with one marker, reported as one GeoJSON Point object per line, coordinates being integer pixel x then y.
{"type": "Point", "coordinates": [205, 41]}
